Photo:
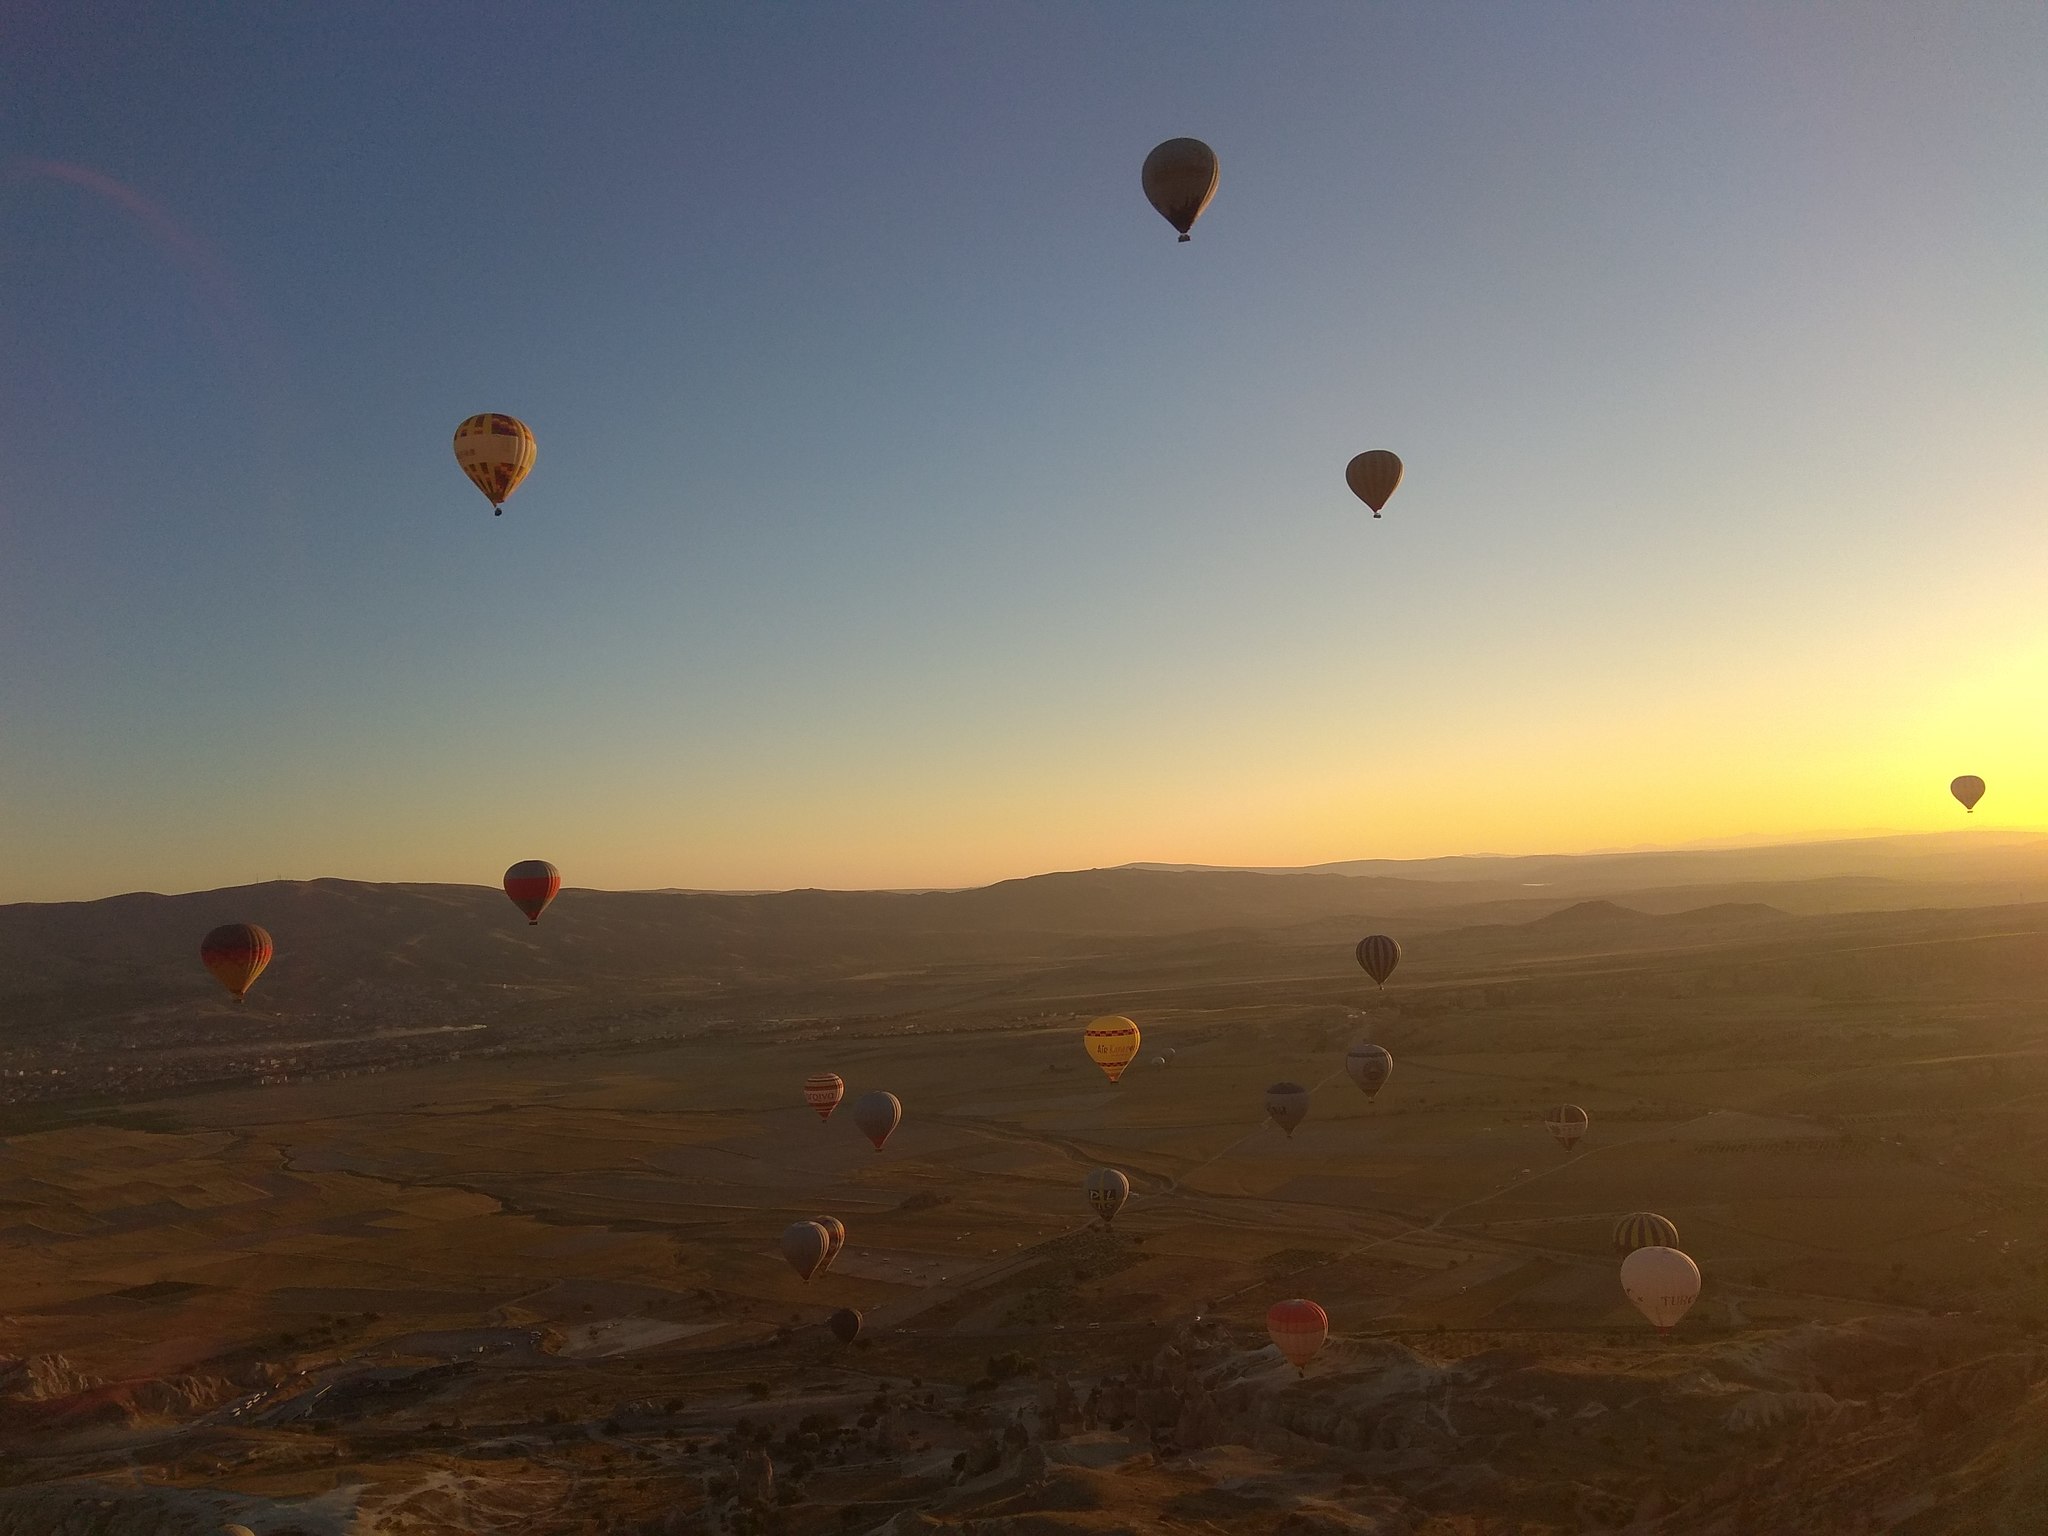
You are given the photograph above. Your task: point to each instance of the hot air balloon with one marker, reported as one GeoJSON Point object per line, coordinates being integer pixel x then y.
{"type": "Point", "coordinates": [1969, 789]}
{"type": "Point", "coordinates": [1179, 179]}
{"type": "Point", "coordinates": [495, 451]}
{"type": "Point", "coordinates": [1644, 1229]}
{"type": "Point", "coordinates": [1372, 477]}
{"type": "Point", "coordinates": [1298, 1328]}
{"type": "Point", "coordinates": [1107, 1191]}
{"type": "Point", "coordinates": [1112, 1044]}
{"type": "Point", "coordinates": [236, 1530]}
{"type": "Point", "coordinates": [806, 1245]}
{"type": "Point", "coordinates": [236, 954]}
{"type": "Point", "coordinates": [823, 1091]}
{"type": "Point", "coordinates": [1370, 1066]}
{"type": "Point", "coordinates": [845, 1325]}
{"type": "Point", "coordinates": [1158, 1061]}
{"type": "Point", "coordinates": [877, 1114]}
{"type": "Point", "coordinates": [835, 1229]}
{"type": "Point", "coordinates": [1287, 1103]}
{"type": "Point", "coordinates": [1379, 955]}
{"type": "Point", "coordinates": [1662, 1282]}
{"type": "Point", "coordinates": [532, 884]}
{"type": "Point", "coordinates": [1567, 1123]}
{"type": "Point", "coordinates": [1167, 1057]}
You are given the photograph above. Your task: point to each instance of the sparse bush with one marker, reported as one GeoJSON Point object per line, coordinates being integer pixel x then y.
{"type": "Point", "coordinates": [757, 1390]}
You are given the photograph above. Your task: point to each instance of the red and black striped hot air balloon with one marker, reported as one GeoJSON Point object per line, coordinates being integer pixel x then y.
{"type": "Point", "coordinates": [532, 884]}
{"type": "Point", "coordinates": [236, 954]}
{"type": "Point", "coordinates": [1379, 955]}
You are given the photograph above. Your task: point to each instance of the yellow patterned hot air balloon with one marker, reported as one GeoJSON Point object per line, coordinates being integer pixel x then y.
{"type": "Point", "coordinates": [495, 451]}
{"type": "Point", "coordinates": [1112, 1044]}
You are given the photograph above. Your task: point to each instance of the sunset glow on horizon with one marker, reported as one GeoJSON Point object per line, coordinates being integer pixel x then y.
{"type": "Point", "coordinates": [910, 509]}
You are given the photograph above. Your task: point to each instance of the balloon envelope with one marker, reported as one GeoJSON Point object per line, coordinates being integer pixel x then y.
{"type": "Point", "coordinates": [1298, 1328]}
{"type": "Point", "coordinates": [823, 1091]}
{"type": "Point", "coordinates": [1287, 1104]}
{"type": "Point", "coordinates": [1378, 954]}
{"type": "Point", "coordinates": [1112, 1044]}
{"type": "Point", "coordinates": [877, 1114]}
{"type": "Point", "coordinates": [495, 451]}
{"type": "Point", "coordinates": [236, 954]}
{"type": "Point", "coordinates": [1662, 1282]}
{"type": "Point", "coordinates": [1370, 1066]}
{"type": "Point", "coordinates": [1107, 1191]}
{"type": "Point", "coordinates": [1969, 789]}
{"type": "Point", "coordinates": [806, 1245]}
{"type": "Point", "coordinates": [1372, 476]}
{"type": "Point", "coordinates": [1567, 1123]}
{"type": "Point", "coordinates": [1643, 1229]}
{"type": "Point", "coordinates": [1179, 177]}
{"type": "Point", "coordinates": [532, 884]}
{"type": "Point", "coordinates": [845, 1325]}
{"type": "Point", "coordinates": [835, 1231]}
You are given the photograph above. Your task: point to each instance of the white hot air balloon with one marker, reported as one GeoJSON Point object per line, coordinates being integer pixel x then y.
{"type": "Point", "coordinates": [1663, 1283]}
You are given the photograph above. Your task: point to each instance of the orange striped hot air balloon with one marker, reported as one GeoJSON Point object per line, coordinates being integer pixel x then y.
{"type": "Point", "coordinates": [1112, 1044]}
{"type": "Point", "coordinates": [236, 954]}
{"type": "Point", "coordinates": [532, 884]}
{"type": "Point", "coordinates": [495, 451]}
{"type": "Point", "coordinates": [823, 1091]}
{"type": "Point", "coordinates": [1298, 1328]}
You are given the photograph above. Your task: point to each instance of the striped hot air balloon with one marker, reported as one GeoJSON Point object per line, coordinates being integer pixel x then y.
{"type": "Point", "coordinates": [1287, 1104]}
{"type": "Point", "coordinates": [532, 884]}
{"type": "Point", "coordinates": [835, 1229]}
{"type": "Point", "coordinates": [1298, 1329]}
{"type": "Point", "coordinates": [823, 1091]}
{"type": "Point", "coordinates": [1663, 1283]}
{"type": "Point", "coordinates": [1112, 1044]}
{"type": "Point", "coordinates": [1643, 1229]}
{"type": "Point", "coordinates": [1969, 789]}
{"type": "Point", "coordinates": [495, 451]}
{"type": "Point", "coordinates": [1567, 1123]}
{"type": "Point", "coordinates": [1379, 955]}
{"type": "Point", "coordinates": [1369, 1066]}
{"type": "Point", "coordinates": [236, 954]}
{"type": "Point", "coordinates": [1107, 1189]}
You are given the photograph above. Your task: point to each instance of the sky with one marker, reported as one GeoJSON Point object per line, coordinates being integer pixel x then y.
{"type": "Point", "coordinates": [911, 509]}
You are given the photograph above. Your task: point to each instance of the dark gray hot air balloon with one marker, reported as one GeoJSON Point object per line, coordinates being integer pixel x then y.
{"type": "Point", "coordinates": [1107, 1191]}
{"type": "Point", "coordinates": [1180, 178]}
{"type": "Point", "coordinates": [1379, 955]}
{"type": "Point", "coordinates": [1969, 789]}
{"type": "Point", "coordinates": [877, 1114]}
{"type": "Point", "coordinates": [1370, 1066]}
{"type": "Point", "coordinates": [1287, 1103]}
{"type": "Point", "coordinates": [806, 1245]}
{"type": "Point", "coordinates": [1372, 476]}
{"type": "Point", "coordinates": [845, 1325]}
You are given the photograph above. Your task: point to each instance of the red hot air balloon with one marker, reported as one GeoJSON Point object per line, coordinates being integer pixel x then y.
{"type": "Point", "coordinates": [823, 1091]}
{"type": "Point", "coordinates": [1298, 1328]}
{"type": "Point", "coordinates": [1378, 954]}
{"type": "Point", "coordinates": [236, 954]}
{"type": "Point", "coordinates": [1969, 789]}
{"type": "Point", "coordinates": [532, 884]}
{"type": "Point", "coordinates": [877, 1114]}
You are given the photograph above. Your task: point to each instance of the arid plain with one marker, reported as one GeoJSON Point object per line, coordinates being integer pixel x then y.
{"type": "Point", "coordinates": [501, 1254]}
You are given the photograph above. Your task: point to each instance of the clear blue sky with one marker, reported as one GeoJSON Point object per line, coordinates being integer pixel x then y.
{"type": "Point", "coordinates": [910, 508]}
